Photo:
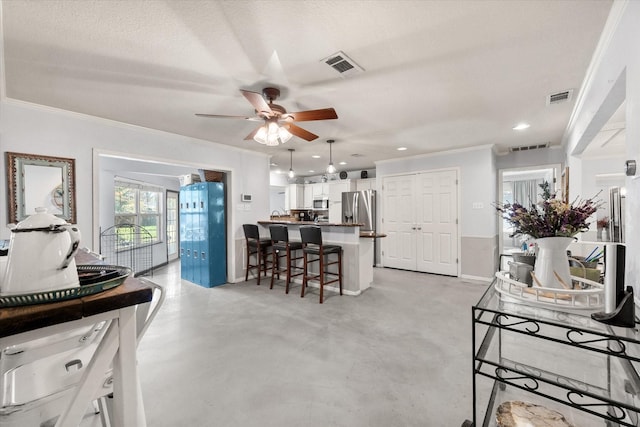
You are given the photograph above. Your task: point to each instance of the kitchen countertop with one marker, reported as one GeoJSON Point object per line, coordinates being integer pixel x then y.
{"type": "Point", "coordinates": [319, 223]}
{"type": "Point", "coordinates": [372, 235]}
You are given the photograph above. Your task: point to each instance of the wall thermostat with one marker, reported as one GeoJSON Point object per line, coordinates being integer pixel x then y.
{"type": "Point", "coordinates": [245, 197]}
{"type": "Point", "coordinates": [630, 167]}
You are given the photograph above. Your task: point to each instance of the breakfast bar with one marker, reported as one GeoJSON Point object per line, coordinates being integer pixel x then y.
{"type": "Point", "coordinates": [357, 250]}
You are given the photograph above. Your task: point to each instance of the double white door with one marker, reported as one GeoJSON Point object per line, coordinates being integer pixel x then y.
{"type": "Point", "coordinates": [420, 215]}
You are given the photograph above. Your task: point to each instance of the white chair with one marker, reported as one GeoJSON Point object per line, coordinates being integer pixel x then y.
{"type": "Point", "coordinates": [38, 378]}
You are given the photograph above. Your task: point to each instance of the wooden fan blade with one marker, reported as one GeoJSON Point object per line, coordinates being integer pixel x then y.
{"type": "Point", "coordinates": [222, 116]}
{"type": "Point", "coordinates": [299, 132]}
{"type": "Point", "coordinates": [306, 116]}
{"type": "Point", "coordinates": [253, 133]}
{"type": "Point", "coordinates": [257, 100]}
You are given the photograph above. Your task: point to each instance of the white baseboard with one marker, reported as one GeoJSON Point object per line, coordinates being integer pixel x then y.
{"type": "Point", "coordinates": [482, 279]}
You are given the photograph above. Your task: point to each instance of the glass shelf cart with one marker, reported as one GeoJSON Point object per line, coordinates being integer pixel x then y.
{"type": "Point", "coordinates": [562, 360]}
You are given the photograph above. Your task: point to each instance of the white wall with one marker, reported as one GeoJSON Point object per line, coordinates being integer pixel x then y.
{"type": "Point", "coordinates": [277, 199]}
{"type": "Point", "coordinates": [526, 159]}
{"type": "Point", "coordinates": [614, 76]}
{"type": "Point", "coordinates": [34, 129]}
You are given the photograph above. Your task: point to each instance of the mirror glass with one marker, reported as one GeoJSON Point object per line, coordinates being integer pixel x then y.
{"type": "Point", "coordinates": [40, 181]}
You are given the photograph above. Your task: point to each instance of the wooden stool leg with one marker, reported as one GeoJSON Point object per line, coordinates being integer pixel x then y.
{"type": "Point", "coordinates": [321, 276]}
{"type": "Point", "coordinates": [265, 257]}
{"type": "Point", "coordinates": [288, 270]}
{"type": "Point", "coordinates": [259, 263]}
{"type": "Point", "coordinates": [304, 274]}
{"type": "Point", "coordinates": [274, 264]}
{"type": "Point", "coordinates": [246, 276]}
{"type": "Point", "coordinates": [340, 270]}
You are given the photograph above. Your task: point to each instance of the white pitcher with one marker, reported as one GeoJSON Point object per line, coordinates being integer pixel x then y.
{"type": "Point", "coordinates": [41, 255]}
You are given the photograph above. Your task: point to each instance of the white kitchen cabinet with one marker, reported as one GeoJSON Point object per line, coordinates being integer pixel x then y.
{"type": "Point", "coordinates": [308, 196]}
{"type": "Point", "coordinates": [365, 184]}
{"type": "Point", "coordinates": [294, 197]}
{"type": "Point", "coordinates": [335, 212]}
{"type": "Point", "coordinates": [336, 188]}
{"type": "Point", "coordinates": [320, 190]}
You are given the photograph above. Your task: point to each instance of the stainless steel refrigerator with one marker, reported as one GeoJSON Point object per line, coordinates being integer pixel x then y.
{"type": "Point", "coordinates": [360, 207]}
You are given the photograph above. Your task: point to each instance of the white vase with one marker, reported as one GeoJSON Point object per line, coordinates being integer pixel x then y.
{"type": "Point", "coordinates": [552, 262]}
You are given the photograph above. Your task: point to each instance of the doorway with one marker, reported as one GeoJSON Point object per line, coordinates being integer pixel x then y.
{"type": "Point", "coordinates": [173, 225]}
{"type": "Point", "coordinates": [522, 185]}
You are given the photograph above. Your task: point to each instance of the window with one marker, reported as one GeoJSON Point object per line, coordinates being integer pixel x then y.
{"type": "Point", "coordinates": [139, 204]}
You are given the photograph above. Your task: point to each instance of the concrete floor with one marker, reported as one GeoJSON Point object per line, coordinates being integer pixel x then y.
{"type": "Point", "coordinates": [245, 355]}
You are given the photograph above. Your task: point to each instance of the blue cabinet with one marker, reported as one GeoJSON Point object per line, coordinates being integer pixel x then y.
{"type": "Point", "coordinates": [203, 243]}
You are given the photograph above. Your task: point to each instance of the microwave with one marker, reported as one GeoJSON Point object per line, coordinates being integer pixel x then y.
{"type": "Point", "coordinates": [321, 204]}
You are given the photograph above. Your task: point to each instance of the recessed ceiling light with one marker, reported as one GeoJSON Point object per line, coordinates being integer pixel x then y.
{"type": "Point", "coordinates": [521, 126]}
{"type": "Point", "coordinates": [311, 171]}
{"type": "Point", "coordinates": [342, 163]}
{"type": "Point", "coordinates": [278, 171]}
{"type": "Point", "coordinates": [401, 148]}
{"type": "Point", "coordinates": [315, 156]}
{"type": "Point", "coordinates": [274, 164]}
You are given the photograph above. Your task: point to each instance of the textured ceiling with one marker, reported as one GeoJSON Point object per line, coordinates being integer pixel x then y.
{"type": "Point", "coordinates": [438, 75]}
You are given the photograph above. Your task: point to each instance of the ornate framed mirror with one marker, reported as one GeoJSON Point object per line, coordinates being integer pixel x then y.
{"type": "Point", "coordinates": [40, 181]}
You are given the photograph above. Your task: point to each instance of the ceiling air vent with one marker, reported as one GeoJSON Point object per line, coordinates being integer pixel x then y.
{"type": "Point", "coordinates": [557, 98]}
{"type": "Point", "coordinates": [529, 147]}
{"type": "Point", "coordinates": [342, 64]}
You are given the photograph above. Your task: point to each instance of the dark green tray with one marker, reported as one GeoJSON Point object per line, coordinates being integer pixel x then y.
{"type": "Point", "coordinates": [105, 277]}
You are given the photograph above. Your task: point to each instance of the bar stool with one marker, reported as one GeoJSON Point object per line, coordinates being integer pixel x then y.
{"type": "Point", "coordinates": [256, 246]}
{"type": "Point", "coordinates": [281, 247]}
{"type": "Point", "coordinates": [312, 245]}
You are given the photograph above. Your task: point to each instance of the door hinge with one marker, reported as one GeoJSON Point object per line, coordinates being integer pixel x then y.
{"type": "Point", "coordinates": [456, 182]}
{"type": "Point", "coordinates": [382, 252]}
{"type": "Point", "coordinates": [457, 261]}
{"type": "Point", "coordinates": [456, 221]}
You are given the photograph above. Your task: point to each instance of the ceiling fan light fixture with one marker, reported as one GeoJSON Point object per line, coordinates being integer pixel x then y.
{"type": "Point", "coordinates": [272, 140]}
{"type": "Point", "coordinates": [284, 134]}
{"type": "Point", "coordinates": [271, 134]}
{"type": "Point", "coordinates": [261, 135]}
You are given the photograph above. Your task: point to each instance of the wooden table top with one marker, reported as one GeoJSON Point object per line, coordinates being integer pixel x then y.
{"type": "Point", "coordinates": [15, 320]}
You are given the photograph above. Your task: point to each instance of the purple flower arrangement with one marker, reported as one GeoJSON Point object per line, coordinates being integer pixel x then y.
{"type": "Point", "coordinates": [551, 217]}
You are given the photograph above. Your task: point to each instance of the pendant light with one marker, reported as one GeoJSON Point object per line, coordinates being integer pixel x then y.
{"type": "Point", "coordinates": [330, 168]}
{"type": "Point", "coordinates": [291, 172]}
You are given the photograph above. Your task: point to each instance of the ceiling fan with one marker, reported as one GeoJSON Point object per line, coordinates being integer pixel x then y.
{"type": "Point", "coordinates": [278, 124]}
